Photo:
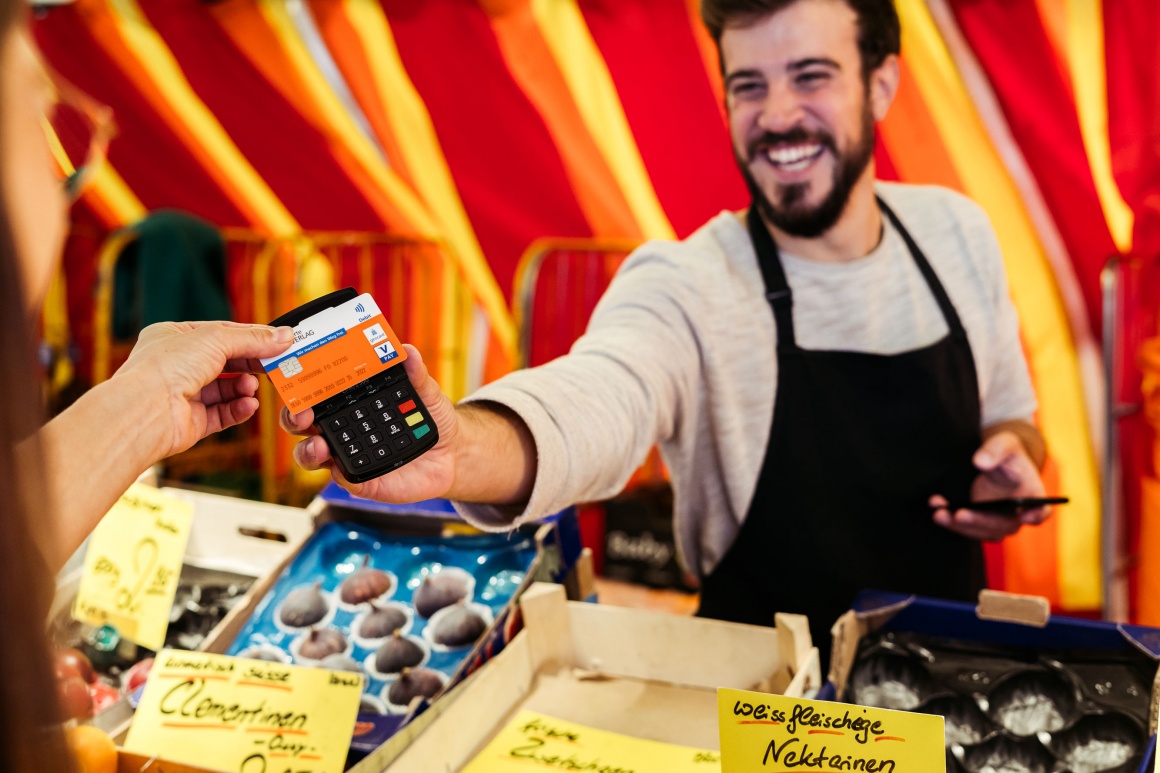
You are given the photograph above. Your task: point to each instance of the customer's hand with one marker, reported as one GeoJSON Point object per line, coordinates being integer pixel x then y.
{"type": "Point", "coordinates": [177, 369]}
{"type": "Point", "coordinates": [1005, 470]}
{"type": "Point", "coordinates": [427, 477]}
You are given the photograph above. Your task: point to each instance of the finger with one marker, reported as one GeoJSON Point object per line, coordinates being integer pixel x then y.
{"type": "Point", "coordinates": [982, 526]}
{"type": "Point", "coordinates": [312, 453]}
{"type": "Point", "coordinates": [245, 342]}
{"type": "Point", "coordinates": [227, 414]}
{"type": "Point", "coordinates": [1035, 516]}
{"type": "Point", "coordinates": [244, 365]}
{"type": "Point", "coordinates": [420, 377]}
{"type": "Point", "coordinates": [225, 389]}
{"type": "Point", "coordinates": [996, 450]}
{"type": "Point", "coordinates": [297, 423]}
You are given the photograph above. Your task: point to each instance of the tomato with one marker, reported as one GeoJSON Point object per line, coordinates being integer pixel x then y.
{"type": "Point", "coordinates": [103, 696]}
{"type": "Point", "coordinates": [137, 675]}
{"type": "Point", "coordinates": [74, 698]}
{"type": "Point", "coordinates": [93, 750]}
{"type": "Point", "coordinates": [73, 661]}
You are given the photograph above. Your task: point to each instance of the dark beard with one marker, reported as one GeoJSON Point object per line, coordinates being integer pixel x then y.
{"type": "Point", "coordinates": [791, 216]}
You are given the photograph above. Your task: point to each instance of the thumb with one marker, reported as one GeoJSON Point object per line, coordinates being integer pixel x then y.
{"type": "Point", "coordinates": [246, 342]}
{"type": "Point", "coordinates": [996, 449]}
{"type": "Point", "coordinates": [419, 375]}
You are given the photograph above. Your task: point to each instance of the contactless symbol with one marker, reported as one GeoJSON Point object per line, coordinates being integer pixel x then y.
{"type": "Point", "coordinates": [360, 308]}
{"type": "Point", "coordinates": [290, 367]}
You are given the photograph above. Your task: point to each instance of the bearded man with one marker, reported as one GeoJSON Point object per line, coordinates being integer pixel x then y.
{"type": "Point", "coordinates": [823, 372]}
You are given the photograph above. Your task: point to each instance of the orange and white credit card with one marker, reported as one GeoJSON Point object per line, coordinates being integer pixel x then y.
{"type": "Point", "coordinates": [332, 351]}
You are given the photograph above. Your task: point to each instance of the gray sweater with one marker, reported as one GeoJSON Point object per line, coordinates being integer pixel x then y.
{"type": "Point", "coordinates": [680, 352]}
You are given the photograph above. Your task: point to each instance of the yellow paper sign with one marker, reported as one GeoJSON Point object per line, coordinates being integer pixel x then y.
{"type": "Point", "coordinates": [775, 734]}
{"type": "Point", "coordinates": [251, 716]}
{"type": "Point", "coordinates": [133, 564]}
{"type": "Point", "coordinates": [534, 740]}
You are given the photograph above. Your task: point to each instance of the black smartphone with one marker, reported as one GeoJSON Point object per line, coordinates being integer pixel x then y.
{"type": "Point", "coordinates": [347, 364]}
{"type": "Point", "coordinates": [1012, 507]}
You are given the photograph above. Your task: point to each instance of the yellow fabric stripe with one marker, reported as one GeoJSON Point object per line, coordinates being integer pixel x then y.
{"type": "Point", "coordinates": [415, 134]}
{"type": "Point", "coordinates": [1085, 57]}
{"type": "Point", "coordinates": [1047, 339]}
{"type": "Point", "coordinates": [113, 198]}
{"type": "Point", "coordinates": [237, 177]}
{"type": "Point", "coordinates": [588, 79]}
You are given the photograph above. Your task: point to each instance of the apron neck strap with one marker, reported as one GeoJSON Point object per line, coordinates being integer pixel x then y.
{"type": "Point", "coordinates": [780, 297]}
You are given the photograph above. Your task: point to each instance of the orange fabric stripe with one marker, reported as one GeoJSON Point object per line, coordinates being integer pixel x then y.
{"type": "Point", "coordinates": [334, 25]}
{"type": "Point", "coordinates": [916, 148]}
{"type": "Point", "coordinates": [105, 28]}
{"type": "Point", "coordinates": [244, 23]}
{"type": "Point", "coordinates": [535, 70]}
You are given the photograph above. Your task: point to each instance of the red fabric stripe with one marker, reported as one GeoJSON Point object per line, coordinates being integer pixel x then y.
{"type": "Point", "coordinates": [1014, 50]}
{"type": "Point", "coordinates": [657, 67]}
{"type": "Point", "coordinates": [1131, 28]}
{"type": "Point", "coordinates": [292, 157]}
{"type": "Point", "coordinates": [155, 165]}
{"type": "Point", "coordinates": [506, 168]}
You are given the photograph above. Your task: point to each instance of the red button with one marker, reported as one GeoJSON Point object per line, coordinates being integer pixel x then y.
{"type": "Point", "coordinates": [407, 407]}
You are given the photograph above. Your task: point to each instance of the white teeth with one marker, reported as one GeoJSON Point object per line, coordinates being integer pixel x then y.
{"type": "Point", "coordinates": [793, 158]}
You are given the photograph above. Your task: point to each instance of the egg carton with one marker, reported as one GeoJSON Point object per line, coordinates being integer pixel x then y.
{"type": "Point", "coordinates": [1012, 711]}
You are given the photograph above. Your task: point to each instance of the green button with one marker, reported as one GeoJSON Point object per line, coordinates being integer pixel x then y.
{"type": "Point", "coordinates": [421, 431]}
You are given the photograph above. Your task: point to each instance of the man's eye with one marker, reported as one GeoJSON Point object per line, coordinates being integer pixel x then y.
{"type": "Point", "coordinates": [746, 89]}
{"type": "Point", "coordinates": [812, 79]}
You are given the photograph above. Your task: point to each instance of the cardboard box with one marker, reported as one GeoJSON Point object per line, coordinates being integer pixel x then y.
{"type": "Point", "coordinates": [128, 762]}
{"type": "Point", "coordinates": [1003, 619]}
{"type": "Point", "coordinates": [647, 674]}
{"type": "Point", "coordinates": [557, 547]}
{"type": "Point", "coordinates": [229, 537]}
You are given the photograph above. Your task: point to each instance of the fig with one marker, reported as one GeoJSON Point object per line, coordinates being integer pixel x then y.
{"type": "Point", "coordinates": [458, 625]}
{"type": "Point", "coordinates": [397, 653]}
{"type": "Point", "coordinates": [412, 683]}
{"type": "Point", "coordinates": [320, 643]}
{"type": "Point", "coordinates": [269, 656]}
{"type": "Point", "coordinates": [340, 662]}
{"type": "Point", "coordinates": [364, 585]}
{"type": "Point", "coordinates": [369, 705]}
{"type": "Point", "coordinates": [382, 621]}
{"type": "Point", "coordinates": [304, 607]}
{"type": "Point", "coordinates": [439, 590]}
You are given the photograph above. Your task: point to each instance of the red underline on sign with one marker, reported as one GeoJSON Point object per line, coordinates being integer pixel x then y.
{"type": "Point", "coordinates": [758, 722]}
{"type": "Point", "coordinates": [286, 687]}
{"type": "Point", "coordinates": [279, 754]}
{"type": "Point", "coordinates": [171, 675]}
{"type": "Point", "coordinates": [889, 738]}
{"type": "Point", "coordinates": [276, 730]}
{"type": "Point", "coordinates": [310, 756]}
{"type": "Point", "coordinates": [826, 732]}
{"type": "Point", "coordinates": [199, 725]}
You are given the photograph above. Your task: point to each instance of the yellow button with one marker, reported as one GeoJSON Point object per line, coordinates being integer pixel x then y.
{"type": "Point", "coordinates": [414, 419]}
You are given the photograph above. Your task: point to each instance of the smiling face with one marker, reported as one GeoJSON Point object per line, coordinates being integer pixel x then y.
{"type": "Point", "coordinates": [801, 114]}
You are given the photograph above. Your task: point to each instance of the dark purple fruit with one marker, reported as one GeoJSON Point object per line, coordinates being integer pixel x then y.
{"type": "Point", "coordinates": [412, 683]}
{"type": "Point", "coordinates": [266, 655]}
{"type": "Point", "coordinates": [440, 590]}
{"type": "Point", "coordinates": [382, 621]}
{"type": "Point", "coordinates": [397, 653]}
{"type": "Point", "coordinates": [340, 662]}
{"type": "Point", "coordinates": [320, 643]}
{"type": "Point", "coordinates": [304, 607]}
{"type": "Point", "coordinates": [458, 625]}
{"type": "Point", "coordinates": [364, 585]}
{"type": "Point", "coordinates": [368, 706]}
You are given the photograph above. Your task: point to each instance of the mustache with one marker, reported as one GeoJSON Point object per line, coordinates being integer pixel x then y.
{"type": "Point", "coordinates": [795, 136]}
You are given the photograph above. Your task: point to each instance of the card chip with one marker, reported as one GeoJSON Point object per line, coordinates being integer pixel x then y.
{"type": "Point", "coordinates": [290, 367]}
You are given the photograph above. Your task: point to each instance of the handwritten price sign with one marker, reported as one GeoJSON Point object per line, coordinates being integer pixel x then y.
{"type": "Point", "coordinates": [133, 563]}
{"type": "Point", "coordinates": [762, 732]}
{"type": "Point", "coordinates": [245, 715]}
{"type": "Point", "coordinates": [534, 740]}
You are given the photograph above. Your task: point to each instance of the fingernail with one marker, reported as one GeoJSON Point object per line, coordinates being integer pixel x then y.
{"type": "Point", "coordinates": [284, 335]}
{"type": "Point", "coordinates": [985, 459]}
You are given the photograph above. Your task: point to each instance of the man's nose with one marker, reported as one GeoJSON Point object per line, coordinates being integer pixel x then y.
{"type": "Point", "coordinates": [781, 110]}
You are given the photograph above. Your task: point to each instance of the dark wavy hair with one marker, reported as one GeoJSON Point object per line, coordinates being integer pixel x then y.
{"type": "Point", "coordinates": [879, 31]}
{"type": "Point", "coordinates": [30, 735]}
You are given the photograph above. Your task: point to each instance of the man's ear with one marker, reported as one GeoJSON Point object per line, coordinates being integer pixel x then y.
{"type": "Point", "coordinates": [883, 86]}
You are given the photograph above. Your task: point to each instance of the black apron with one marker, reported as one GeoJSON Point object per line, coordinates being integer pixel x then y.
{"type": "Point", "coordinates": [859, 443]}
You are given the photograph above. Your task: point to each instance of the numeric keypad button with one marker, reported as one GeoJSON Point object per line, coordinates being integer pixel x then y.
{"type": "Point", "coordinates": [374, 438]}
{"type": "Point", "coordinates": [358, 414]}
{"type": "Point", "coordinates": [402, 393]}
{"type": "Point", "coordinates": [365, 426]}
{"type": "Point", "coordinates": [360, 462]}
{"type": "Point", "coordinates": [402, 441]}
{"type": "Point", "coordinates": [394, 429]}
{"type": "Point", "coordinates": [381, 452]}
{"type": "Point", "coordinates": [352, 449]}
{"type": "Point", "coordinates": [337, 423]}
{"type": "Point", "coordinates": [346, 436]}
